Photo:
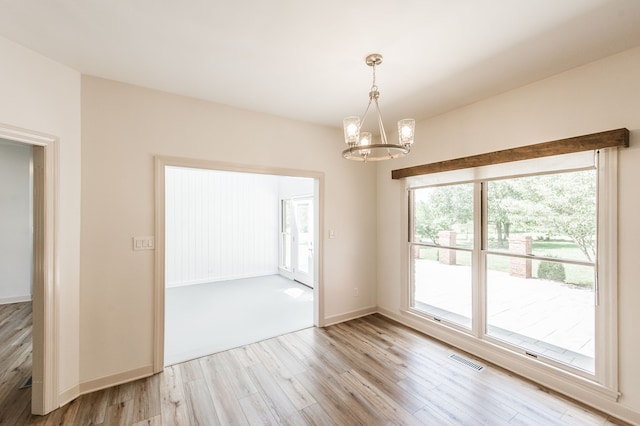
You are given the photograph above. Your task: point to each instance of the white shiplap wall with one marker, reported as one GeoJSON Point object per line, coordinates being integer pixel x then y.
{"type": "Point", "coordinates": [219, 225]}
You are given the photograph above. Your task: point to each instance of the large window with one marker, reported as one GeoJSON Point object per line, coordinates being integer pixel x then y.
{"type": "Point", "coordinates": [512, 257]}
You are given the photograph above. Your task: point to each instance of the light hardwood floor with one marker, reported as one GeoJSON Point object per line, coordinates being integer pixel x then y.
{"type": "Point", "coordinates": [367, 371]}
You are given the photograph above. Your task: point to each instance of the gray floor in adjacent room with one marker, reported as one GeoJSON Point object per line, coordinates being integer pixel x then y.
{"type": "Point", "coordinates": [207, 318]}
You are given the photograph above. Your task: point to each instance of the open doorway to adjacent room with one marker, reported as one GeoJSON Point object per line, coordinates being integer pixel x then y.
{"type": "Point", "coordinates": [240, 257]}
{"type": "Point", "coordinates": [16, 270]}
{"type": "Point", "coordinates": [28, 202]}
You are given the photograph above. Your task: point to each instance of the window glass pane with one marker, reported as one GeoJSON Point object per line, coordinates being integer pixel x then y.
{"type": "Point", "coordinates": [304, 227]}
{"type": "Point", "coordinates": [286, 216]}
{"type": "Point", "coordinates": [443, 215]}
{"type": "Point", "coordinates": [547, 215]}
{"type": "Point", "coordinates": [541, 251]}
{"type": "Point", "coordinates": [546, 308]}
{"type": "Point", "coordinates": [285, 235]}
{"type": "Point", "coordinates": [442, 283]}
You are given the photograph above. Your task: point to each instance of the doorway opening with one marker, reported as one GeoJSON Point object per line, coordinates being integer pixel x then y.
{"type": "Point", "coordinates": [42, 264]}
{"type": "Point", "coordinates": [16, 270]}
{"type": "Point", "coordinates": [237, 256]}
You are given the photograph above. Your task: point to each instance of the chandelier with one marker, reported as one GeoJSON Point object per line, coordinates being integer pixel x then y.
{"type": "Point", "coordinates": [360, 146]}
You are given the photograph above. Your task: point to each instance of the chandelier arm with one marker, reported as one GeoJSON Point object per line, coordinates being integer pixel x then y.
{"type": "Point", "coordinates": [366, 111]}
{"type": "Point", "coordinates": [383, 134]}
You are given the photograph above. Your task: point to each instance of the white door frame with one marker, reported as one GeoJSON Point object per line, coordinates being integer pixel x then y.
{"type": "Point", "coordinates": [161, 163]}
{"type": "Point", "coordinates": [44, 394]}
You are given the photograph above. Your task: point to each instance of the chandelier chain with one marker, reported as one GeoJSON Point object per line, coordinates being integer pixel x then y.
{"type": "Point", "coordinates": [373, 84]}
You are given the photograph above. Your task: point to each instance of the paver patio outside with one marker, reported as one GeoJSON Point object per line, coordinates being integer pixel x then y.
{"type": "Point", "coordinates": [544, 316]}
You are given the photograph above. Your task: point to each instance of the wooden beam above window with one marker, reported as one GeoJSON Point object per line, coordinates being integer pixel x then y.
{"type": "Point", "coordinates": [608, 139]}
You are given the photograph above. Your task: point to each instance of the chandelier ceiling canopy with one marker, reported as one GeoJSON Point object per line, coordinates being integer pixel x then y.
{"type": "Point", "coordinates": [360, 144]}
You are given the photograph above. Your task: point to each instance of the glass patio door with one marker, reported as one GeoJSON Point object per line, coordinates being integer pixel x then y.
{"type": "Point", "coordinates": [297, 239]}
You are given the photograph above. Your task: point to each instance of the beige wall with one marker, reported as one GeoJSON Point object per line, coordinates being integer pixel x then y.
{"type": "Point", "coordinates": [123, 128]}
{"type": "Point", "coordinates": [603, 95]}
{"type": "Point", "coordinates": [43, 96]}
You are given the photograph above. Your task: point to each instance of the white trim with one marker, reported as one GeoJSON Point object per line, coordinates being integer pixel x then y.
{"type": "Point", "coordinates": [45, 353]}
{"type": "Point", "coordinates": [528, 367]}
{"type": "Point", "coordinates": [318, 271]}
{"type": "Point", "coordinates": [159, 285]}
{"type": "Point", "coordinates": [406, 291]}
{"type": "Point", "coordinates": [301, 277]}
{"type": "Point", "coordinates": [534, 166]}
{"type": "Point", "coordinates": [285, 272]}
{"type": "Point", "coordinates": [159, 289]}
{"type": "Point", "coordinates": [590, 388]}
{"type": "Point", "coordinates": [69, 395]}
{"type": "Point", "coordinates": [351, 315]}
{"type": "Point", "coordinates": [220, 279]}
{"type": "Point", "coordinates": [15, 299]}
{"type": "Point", "coordinates": [115, 379]}
{"type": "Point", "coordinates": [479, 282]}
{"type": "Point", "coordinates": [607, 271]}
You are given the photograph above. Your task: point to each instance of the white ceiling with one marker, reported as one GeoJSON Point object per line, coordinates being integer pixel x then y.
{"type": "Point", "coordinates": [305, 60]}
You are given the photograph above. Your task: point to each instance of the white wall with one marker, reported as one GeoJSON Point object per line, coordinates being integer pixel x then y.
{"type": "Point", "coordinates": [123, 128]}
{"type": "Point", "coordinates": [292, 187]}
{"type": "Point", "coordinates": [43, 96]}
{"type": "Point", "coordinates": [219, 225]}
{"type": "Point", "coordinates": [16, 219]}
{"type": "Point", "coordinates": [600, 96]}
{"type": "Point", "coordinates": [224, 225]}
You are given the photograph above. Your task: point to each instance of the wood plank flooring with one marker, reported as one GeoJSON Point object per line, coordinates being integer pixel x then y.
{"type": "Point", "coordinates": [15, 361]}
{"type": "Point", "coordinates": [369, 371]}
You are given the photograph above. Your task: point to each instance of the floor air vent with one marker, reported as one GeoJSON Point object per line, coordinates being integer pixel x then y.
{"type": "Point", "coordinates": [466, 362]}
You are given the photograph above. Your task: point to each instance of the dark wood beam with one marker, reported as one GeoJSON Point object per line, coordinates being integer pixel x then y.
{"type": "Point", "coordinates": [611, 138]}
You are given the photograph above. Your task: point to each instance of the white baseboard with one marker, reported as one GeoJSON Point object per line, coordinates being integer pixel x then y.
{"type": "Point", "coordinates": [15, 299]}
{"type": "Point", "coordinates": [115, 379]}
{"type": "Point", "coordinates": [220, 278]}
{"type": "Point", "coordinates": [347, 316]}
{"type": "Point", "coordinates": [68, 395]}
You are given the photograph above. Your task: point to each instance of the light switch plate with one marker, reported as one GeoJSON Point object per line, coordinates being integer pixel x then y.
{"type": "Point", "coordinates": [144, 243]}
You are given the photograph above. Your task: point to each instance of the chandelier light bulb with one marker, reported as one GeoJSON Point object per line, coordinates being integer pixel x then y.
{"type": "Point", "coordinates": [406, 130]}
{"type": "Point", "coordinates": [351, 130]}
{"type": "Point", "coordinates": [365, 140]}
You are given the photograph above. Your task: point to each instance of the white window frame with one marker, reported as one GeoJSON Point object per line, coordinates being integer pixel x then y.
{"type": "Point", "coordinates": [604, 382]}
